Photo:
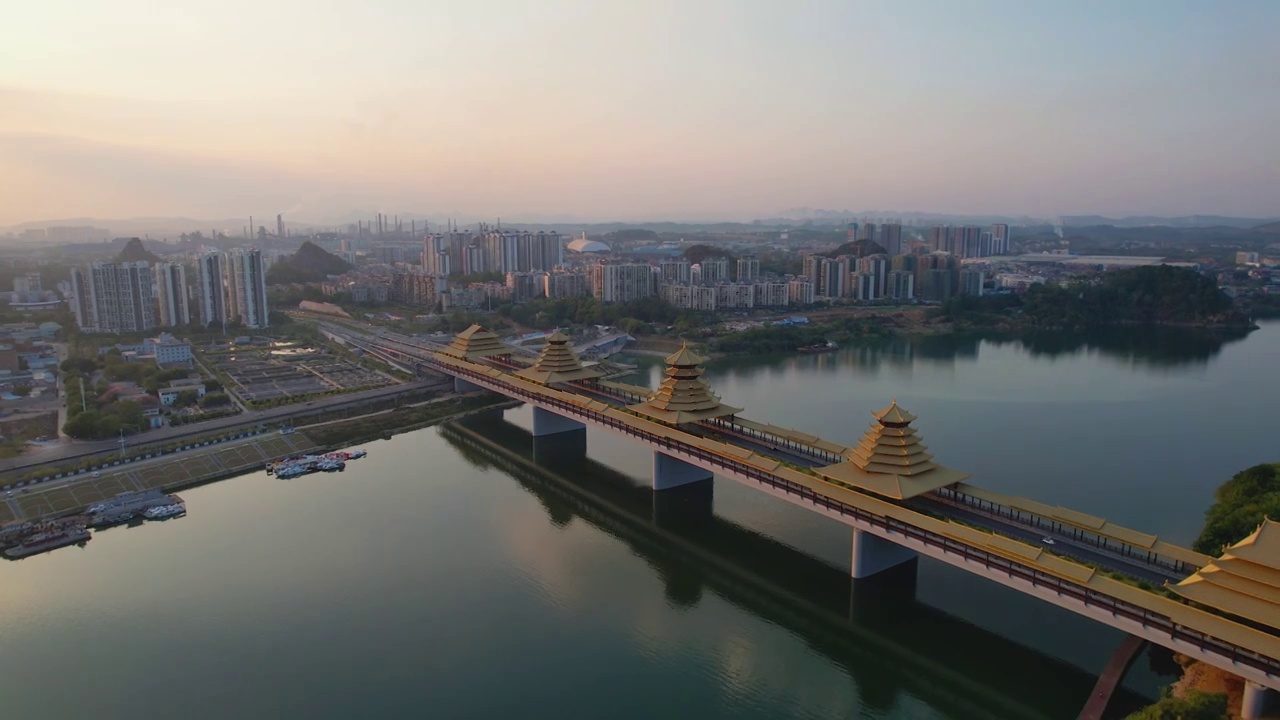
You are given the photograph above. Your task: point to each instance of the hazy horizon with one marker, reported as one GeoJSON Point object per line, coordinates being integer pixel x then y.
{"type": "Point", "coordinates": [712, 111]}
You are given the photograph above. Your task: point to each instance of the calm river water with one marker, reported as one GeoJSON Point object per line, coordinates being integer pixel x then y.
{"type": "Point", "coordinates": [448, 575]}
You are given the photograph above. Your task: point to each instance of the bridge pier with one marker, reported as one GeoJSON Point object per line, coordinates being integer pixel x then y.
{"type": "Point", "coordinates": [690, 504]}
{"type": "Point", "coordinates": [873, 554]}
{"type": "Point", "coordinates": [1257, 700]}
{"type": "Point", "coordinates": [670, 472]}
{"type": "Point", "coordinates": [561, 451]}
{"type": "Point", "coordinates": [546, 423]}
{"type": "Point", "coordinates": [462, 386]}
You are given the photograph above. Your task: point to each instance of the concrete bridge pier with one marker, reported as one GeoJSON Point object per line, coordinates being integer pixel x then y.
{"type": "Point", "coordinates": [670, 472]}
{"type": "Point", "coordinates": [1257, 701]}
{"type": "Point", "coordinates": [463, 386]}
{"type": "Point", "coordinates": [873, 554]}
{"type": "Point", "coordinates": [682, 506]}
{"type": "Point", "coordinates": [546, 423]}
{"type": "Point", "coordinates": [562, 452]}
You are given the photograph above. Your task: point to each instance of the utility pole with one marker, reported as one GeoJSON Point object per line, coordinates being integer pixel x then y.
{"type": "Point", "coordinates": [122, 443]}
{"type": "Point", "coordinates": [84, 406]}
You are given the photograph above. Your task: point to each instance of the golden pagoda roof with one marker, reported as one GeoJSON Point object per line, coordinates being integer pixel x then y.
{"type": "Point", "coordinates": [558, 363]}
{"type": "Point", "coordinates": [891, 460]}
{"type": "Point", "coordinates": [684, 397]}
{"type": "Point", "coordinates": [893, 414]}
{"type": "Point", "coordinates": [684, 357]}
{"type": "Point", "coordinates": [1245, 581]}
{"type": "Point", "coordinates": [475, 342]}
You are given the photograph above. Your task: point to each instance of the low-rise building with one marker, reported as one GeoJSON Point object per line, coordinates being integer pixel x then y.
{"type": "Point", "coordinates": [167, 349]}
{"type": "Point", "coordinates": [168, 396]}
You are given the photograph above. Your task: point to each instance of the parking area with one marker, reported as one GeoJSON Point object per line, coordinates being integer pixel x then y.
{"type": "Point", "coordinates": [170, 471]}
{"type": "Point", "coordinates": [268, 373]}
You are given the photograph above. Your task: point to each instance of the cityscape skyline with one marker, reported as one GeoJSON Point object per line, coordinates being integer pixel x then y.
{"type": "Point", "coordinates": [710, 112]}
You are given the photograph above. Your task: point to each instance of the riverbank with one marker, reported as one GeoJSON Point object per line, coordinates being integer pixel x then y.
{"type": "Point", "coordinates": [85, 456]}
{"type": "Point", "coordinates": [203, 464]}
{"type": "Point", "coordinates": [167, 474]}
{"type": "Point", "coordinates": [404, 419]}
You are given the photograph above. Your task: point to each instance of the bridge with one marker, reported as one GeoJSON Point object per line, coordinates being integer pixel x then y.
{"type": "Point", "coordinates": [900, 503]}
{"type": "Point", "coordinates": [696, 553]}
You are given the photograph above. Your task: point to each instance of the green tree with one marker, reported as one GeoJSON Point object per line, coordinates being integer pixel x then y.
{"type": "Point", "coordinates": [1195, 706]}
{"type": "Point", "coordinates": [83, 426]}
{"type": "Point", "coordinates": [130, 417]}
{"type": "Point", "coordinates": [1240, 505]}
{"type": "Point", "coordinates": [214, 400]}
{"type": "Point", "coordinates": [186, 398]}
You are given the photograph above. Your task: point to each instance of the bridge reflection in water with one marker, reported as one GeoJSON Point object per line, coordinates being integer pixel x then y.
{"type": "Point", "coordinates": [888, 643]}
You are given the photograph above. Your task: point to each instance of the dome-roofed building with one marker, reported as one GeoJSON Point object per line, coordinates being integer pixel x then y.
{"type": "Point", "coordinates": [583, 245]}
{"type": "Point", "coordinates": [684, 397]}
{"type": "Point", "coordinates": [891, 460]}
{"type": "Point", "coordinates": [475, 342]}
{"type": "Point", "coordinates": [558, 363]}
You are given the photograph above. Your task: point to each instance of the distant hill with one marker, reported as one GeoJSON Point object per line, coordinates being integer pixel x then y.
{"type": "Point", "coordinates": [311, 263]}
{"type": "Point", "coordinates": [1273, 228]}
{"type": "Point", "coordinates": [134, 251]}
{"type": "Point", "coordinates": [1189, 221]}
{"type": "Point", "coordinates": [858, 248]}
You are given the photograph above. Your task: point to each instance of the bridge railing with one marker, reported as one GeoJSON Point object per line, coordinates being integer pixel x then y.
{"type": "Point", "coordinates": [890, 526]}
{"type": "Point", "coordinates": [1102, 542]}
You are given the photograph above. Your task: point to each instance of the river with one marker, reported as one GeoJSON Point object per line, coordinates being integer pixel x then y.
{"type": "Point", "coordinates": [449, 576]}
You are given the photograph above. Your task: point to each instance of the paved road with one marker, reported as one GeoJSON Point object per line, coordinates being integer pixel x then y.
{"type": "Point", "coordinates": [79, 449]}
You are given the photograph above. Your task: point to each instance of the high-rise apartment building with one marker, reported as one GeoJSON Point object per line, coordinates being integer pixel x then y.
{"type": "Point", "coordinates": [748, 269]}
{"type": "Point", "coordinates": [675, 272]}
{"type": "Point", "coordinates": [971, 282]}
{"type": "Point", "coordinates": [812, 268]}
{"type": "Point", "coordinates": [876, 266]}
{"type": "Point", "coordinates": [1000, 239]}
{"type": "Point", "coordinates": [621, 282]}
{"type": "Point", "coordinates": [565, 285]}
{"type": "Point", "coordinates": [800, 291]}
{"type": "Point", "coordinates": [769, 294]}
{"type": "Point", "coordinates": [891, 239]}
{"type": "Point", "coordinates": [212, 295]}
{"type": "Point", "coordinates": [862, 286]}
{"type": "Point", "coordinates": [833, 277]}
{"type": "Point", "coordinates": [246, 285]}
{"type": "Point", "coordinates": [171, 289]}
{"type": "Point", "coordinates": [900, 285]}
{"type": "Point", "coordinates": [965, 241]}
{"type": "Point", "coordinates": [114, 297]}
{"type": "Point", "coordinates": [27, 284]}
{"type": "Point", "coordinates": [714, 270]}
{"type": "Point", "coordinates": [939, 238]}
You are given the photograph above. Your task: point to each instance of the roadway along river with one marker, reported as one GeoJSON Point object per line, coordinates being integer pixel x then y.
{"type": "Point", "coordinates": [446, 575]}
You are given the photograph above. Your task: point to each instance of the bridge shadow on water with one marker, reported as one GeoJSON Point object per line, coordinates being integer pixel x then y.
{"type": "Point", "coordinates": [887, 643]}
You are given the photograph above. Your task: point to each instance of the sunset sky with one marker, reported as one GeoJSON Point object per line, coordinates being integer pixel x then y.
{"type": "Point", "coordinates": [606, 110]}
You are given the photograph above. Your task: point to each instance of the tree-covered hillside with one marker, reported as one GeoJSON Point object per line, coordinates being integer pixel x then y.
{"type": "Point", "coordinates": [1153, 295]}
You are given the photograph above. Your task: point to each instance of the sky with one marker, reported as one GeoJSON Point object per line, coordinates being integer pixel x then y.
{"type": "Point", "coordinates": [622, 110]}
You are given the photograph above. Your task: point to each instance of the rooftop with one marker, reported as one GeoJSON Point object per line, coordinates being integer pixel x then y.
{"type": "Point", "coordinates": [1245, 581]}
{"type": "Point", "coordinates": [891, 460]}
{"type": "Point", "coordinates": [475, 342]}
{"type": "Point", "coordinates": [558, 363]}
{"type": "Point", "coordinates": [684, 397]}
